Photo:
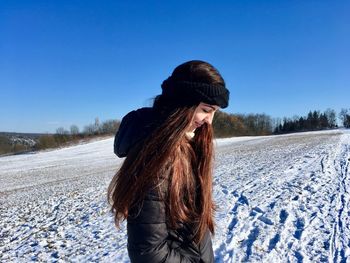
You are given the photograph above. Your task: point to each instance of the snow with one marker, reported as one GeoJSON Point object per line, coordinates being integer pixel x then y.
{"type": "Point", "coordinates": [280, 199]}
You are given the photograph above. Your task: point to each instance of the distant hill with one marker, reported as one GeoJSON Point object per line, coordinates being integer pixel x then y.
{"type": "Point", "coordinates": [14, 142]}
{"type": "Point", "coordinates": [22, 134]}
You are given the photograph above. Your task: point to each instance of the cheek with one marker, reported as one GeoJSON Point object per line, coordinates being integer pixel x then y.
{"type": "Point", "coordinates": [197, 118]}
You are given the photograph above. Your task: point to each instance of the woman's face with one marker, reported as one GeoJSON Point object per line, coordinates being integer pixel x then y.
{"type": "Point", "coordinates": [204, 113]}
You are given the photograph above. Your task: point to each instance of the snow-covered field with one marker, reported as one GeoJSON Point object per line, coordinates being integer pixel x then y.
{"type": "Point", "coordinates": [280, 199]}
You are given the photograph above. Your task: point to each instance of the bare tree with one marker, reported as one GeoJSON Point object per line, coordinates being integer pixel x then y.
{"type": "Point", "coordinates": [109, 127]}
{"type": "Point", "coordinates": [344, 116]}
{"type": "Point", "coordinates": [61, 131]}
{"type": "Point", "coordinates": [89, 129]}
{"type": "Point", "coordinates": [74, 130]}
{"type": "Point", "coordinates": [97, 127]}
{"type": "Point", "coordinates": [331, 117]}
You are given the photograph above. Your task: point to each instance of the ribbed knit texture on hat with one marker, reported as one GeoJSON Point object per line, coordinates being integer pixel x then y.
{"type": "Point", "coordinates": [195, 92]}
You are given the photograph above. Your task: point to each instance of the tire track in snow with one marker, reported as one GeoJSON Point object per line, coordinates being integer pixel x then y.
{"type": "Point", "coordinates": [293, 218]}
{"type": "Point", "coordinates": [340, 247]}
{"type": "Point", "coordinates": [288, 209]}
{"type": "Point", "coordinates": [311, 231]}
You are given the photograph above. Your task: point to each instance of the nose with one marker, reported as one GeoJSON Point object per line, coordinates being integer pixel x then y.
{"type": "Point", "coordinates": [209, 118]}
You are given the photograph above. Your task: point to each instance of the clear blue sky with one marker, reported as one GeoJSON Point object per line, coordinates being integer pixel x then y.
{"type": "Point", "coordinates": [66, 62]}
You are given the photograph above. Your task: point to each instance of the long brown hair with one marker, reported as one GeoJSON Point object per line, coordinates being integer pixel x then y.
{"type": "Point", "coordinates": [167, 151]}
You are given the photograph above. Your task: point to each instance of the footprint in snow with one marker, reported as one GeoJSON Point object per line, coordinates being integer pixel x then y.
{"type": "Point", "coordinates": [283, 216]}
{"type": "Point", "coordinates": [273, 242]}
{"type": "Point", "coordinates": [243, 200]}
{"type": "Point", "coordinates": [253, 235]}
{"type": "Point", "coordinates": [257, 209]}
{"type": "Point", "coordinates": [295, 198]}
{"type": "Point", "coordinates": [272, 205]}
{"type": "Point", "coordinates": [265, 220]}
{"type": "Point", "coordinates": [299, 224]}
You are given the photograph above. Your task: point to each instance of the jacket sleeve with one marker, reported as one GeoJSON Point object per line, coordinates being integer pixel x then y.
{"type": "Point", "coordinates": [148, 234]}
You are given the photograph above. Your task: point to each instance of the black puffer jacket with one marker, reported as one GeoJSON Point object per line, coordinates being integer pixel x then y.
{"type": "Point", "coordinates": [149, 238]}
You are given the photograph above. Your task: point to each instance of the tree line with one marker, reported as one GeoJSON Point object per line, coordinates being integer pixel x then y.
{"type": "Point", "coordinates": [224, 125]}
{"type": "Point", "coordinates": [314, 120]}
{"type": "Point", "coordinates": [229, 125]}
{"type": "Point", "coordinates": [64, 136]}
{"type": "Point", "coordinates": [12, 144]}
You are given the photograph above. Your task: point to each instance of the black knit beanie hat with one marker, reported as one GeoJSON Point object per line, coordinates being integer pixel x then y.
{"type": "Point", "coordinates": [192, 92]}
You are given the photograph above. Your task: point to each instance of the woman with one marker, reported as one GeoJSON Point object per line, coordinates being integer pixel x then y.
{"type": "Point", "coordinates": [164, 186]}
